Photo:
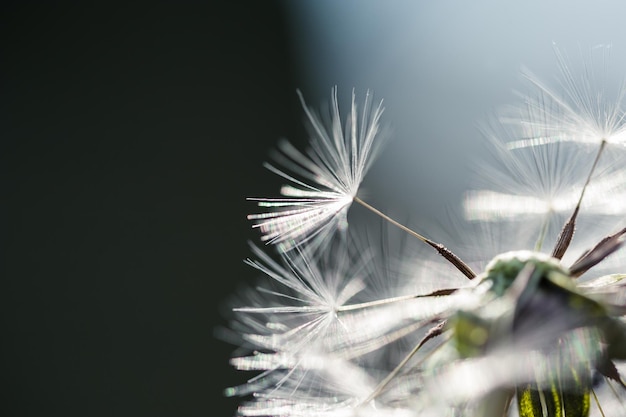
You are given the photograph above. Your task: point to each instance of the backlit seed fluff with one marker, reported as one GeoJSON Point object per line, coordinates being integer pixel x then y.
{"type": "Point", "coordinates": [323, 182]}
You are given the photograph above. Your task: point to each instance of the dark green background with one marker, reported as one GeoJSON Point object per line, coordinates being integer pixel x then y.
{"type": "Point", "coordinates": [130, 136]}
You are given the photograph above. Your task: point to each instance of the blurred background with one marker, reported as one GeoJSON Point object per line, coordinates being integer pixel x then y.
{"type": "Point", "coordinates": [132, 134]}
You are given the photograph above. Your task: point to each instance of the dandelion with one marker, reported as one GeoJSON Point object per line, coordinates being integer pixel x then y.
{"type": "Point", "coordinates": [539, 332]}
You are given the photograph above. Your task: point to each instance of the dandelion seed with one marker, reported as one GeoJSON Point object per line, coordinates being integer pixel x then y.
{"type": "Point", "coordinates": [337, 163]}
